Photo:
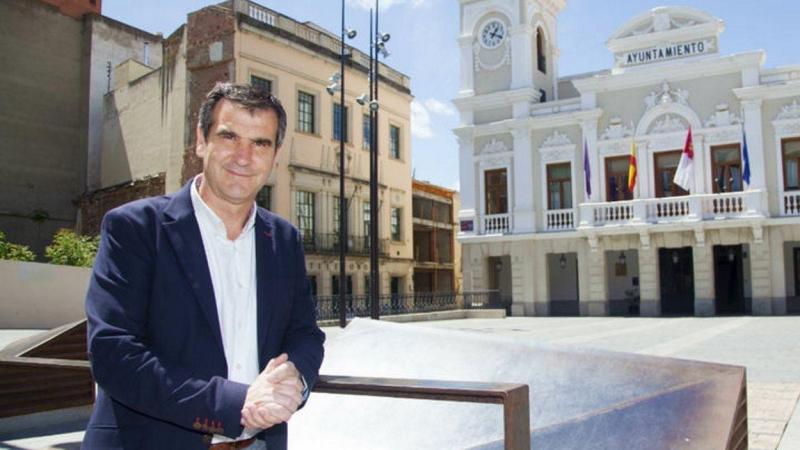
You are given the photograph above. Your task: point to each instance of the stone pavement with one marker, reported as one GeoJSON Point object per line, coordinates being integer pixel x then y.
{"type": "Point", "coordinates": [768, 346]}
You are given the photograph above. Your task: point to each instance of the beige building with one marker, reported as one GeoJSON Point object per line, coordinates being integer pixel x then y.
{"type": "Point", "coordinates": [437, 253]}
{"type": "Point", "coordinates": [537, 226]}
{"type": "Point", "coordinates": [148, 135]}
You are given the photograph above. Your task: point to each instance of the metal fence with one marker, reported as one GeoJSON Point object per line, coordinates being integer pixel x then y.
{"type": "Point", "coordinates": [418, 302]}
{"type": "Point", "coordinates": [329, 243]}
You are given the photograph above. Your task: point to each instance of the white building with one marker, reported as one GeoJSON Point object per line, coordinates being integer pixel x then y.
{"type": "Point", "coordinates": [530, 228]}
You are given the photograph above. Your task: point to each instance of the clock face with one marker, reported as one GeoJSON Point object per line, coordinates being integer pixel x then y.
{"type": "Point", "coordinates": [493, 34]}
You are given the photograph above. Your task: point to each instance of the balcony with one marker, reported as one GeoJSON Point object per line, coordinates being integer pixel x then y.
{"type": "Point", "coordinates": [790, 206]}
{"type": "Point", "coordinates": [675, 209]}
{"type": "Point", "coordinates": [496, 224]}
{"type": "Point", "coordinates": [329, 243]}
{"type": "Point", "coordinates": [559, 219]}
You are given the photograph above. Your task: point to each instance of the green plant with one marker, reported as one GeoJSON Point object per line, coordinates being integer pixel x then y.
{"type": "Point", "coordinates": [14, 252]}
{"type": "Point", "coordinates": [70, 249]}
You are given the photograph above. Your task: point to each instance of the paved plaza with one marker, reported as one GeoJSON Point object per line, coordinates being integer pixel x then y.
{"type": "Point", "coordinates": [768, 346]}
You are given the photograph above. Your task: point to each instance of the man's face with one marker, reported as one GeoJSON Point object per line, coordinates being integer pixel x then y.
{"type": "Point", "coordinates": [238, 155]}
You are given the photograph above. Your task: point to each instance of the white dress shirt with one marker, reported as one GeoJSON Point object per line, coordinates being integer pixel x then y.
{"type": "Point", "coordinates": [232, 264]}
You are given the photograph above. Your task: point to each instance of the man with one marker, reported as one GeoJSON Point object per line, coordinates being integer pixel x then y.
{"type": "Point", "coordinates": [202, 330]}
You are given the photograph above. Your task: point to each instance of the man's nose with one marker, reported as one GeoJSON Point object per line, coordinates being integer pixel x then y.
{"type": "Point", "coordinates": [243, 153]}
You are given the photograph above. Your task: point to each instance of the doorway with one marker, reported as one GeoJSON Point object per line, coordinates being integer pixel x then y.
{"type": "Point", "coordinates": [562, 273]}
{"type": "Point", "coordinates": [728, 280]}
{"type": "Point", "coordinates": [676, 274]}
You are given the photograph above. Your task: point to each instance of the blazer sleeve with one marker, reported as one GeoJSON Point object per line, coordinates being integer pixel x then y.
{"type": "Point", "coordinates": [303, 341]}
{"type": "Point", "coordinates": [122, 362]}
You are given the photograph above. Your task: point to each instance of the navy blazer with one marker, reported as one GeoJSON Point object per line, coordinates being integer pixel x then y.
{"type": "Point", "coordinates": [155, 345]}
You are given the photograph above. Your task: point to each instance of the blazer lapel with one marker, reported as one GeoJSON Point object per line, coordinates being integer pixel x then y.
{"type": "Point", "coordinates": [183, 232]}
{"type": "Point", "coordinates": [265, 262]}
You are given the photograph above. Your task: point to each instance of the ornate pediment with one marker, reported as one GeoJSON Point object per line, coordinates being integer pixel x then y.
{"type": "Point", "coordinates": [790, 111]}
{"type": "Point", "coordinates": [667, 124]}
{"type": "Point", "coordinates": [663, 34]}
{"type": "Point", "coordinates": [722, 117]}
{"type": "Point", "coordinates": [666, 96]}
{"type": "Point", "coordinates": [556, 139]}
{"type": "Point", "coordinates": [616, 129]}
{"type": "Point", "coordinates": [494, 146]}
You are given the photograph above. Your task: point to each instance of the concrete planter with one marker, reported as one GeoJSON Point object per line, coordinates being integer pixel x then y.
{"type": "Point", "coordinates": [39, 296]}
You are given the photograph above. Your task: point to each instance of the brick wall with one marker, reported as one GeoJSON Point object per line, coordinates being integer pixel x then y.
{"type": "Point", "coordinates": [95, 205]}
{"type": "Point", "coordinates": [209, 59]}
{"type": "Point", "coordinates": [76, 8]}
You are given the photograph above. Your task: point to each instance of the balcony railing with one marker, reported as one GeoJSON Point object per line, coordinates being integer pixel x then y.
{"type": "Point", "coordinates": [497, 223]}
{"type": "Point", "coordinates": [559, 219]}
{"type": "Point", "coordinates": [790, 206]}
{"type": "Point", "coordinates": [418, 302]}
{"type": "Point", "coordinates": [329, 243]}
{"type": "Point", "coordinates": [673, 209]}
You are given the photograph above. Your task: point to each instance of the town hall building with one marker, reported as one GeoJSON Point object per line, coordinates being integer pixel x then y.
{"type": "Point", "coordinates": [548, 214]}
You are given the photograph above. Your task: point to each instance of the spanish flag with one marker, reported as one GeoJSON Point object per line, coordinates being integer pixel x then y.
{"type": "Point", "coordinates": [632, 168]}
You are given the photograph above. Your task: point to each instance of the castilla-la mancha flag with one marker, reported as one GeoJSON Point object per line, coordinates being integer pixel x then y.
{"type": "Point", "coordinates": [685, 173]}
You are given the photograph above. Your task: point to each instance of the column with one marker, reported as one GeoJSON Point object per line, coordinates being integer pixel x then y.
{"type": "Point", "coordinates": [768, 275]}
{"type": "Point", "coordinates": [703, 264]}
{"type": "Point", "coordinates": [649, 298]}
{"type": "Point", "coordinates": [522, 262]}
{"type": "Point", "coordinates": [523, 221]}
{"type": "Point", "coordinates": [467, 65]}
{"type": "Point", "coordinates": [521, 51]}
{"type": "Point", "coordinates": [541, 294]}
{"type": "Point", "coordinates": [755, 143]}
{"type": "Point", "coordinates": [467, 215]}
{"type": "Point", "coordinates": [595, 303]}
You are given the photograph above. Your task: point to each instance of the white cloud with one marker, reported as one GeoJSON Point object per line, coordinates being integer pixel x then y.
{"type": "Point", "coordinates": [420, 121]}
{"type": "Point", "coordinates": [441, 108]}
{"type": "Point", "coordinates": [385, 4]}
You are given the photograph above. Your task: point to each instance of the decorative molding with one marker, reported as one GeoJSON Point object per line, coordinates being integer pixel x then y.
{"type": "Point", "coordinates": [790, 111]}
{"type": "Point", "coordinates": [722, 117]}
{"type": "Point", "coordinates": [668, 124]}
{"type": "Point", "coordinates": [667, 95]}
{"type": "Point", "coordinates": [644, 239]}
{"type": "Point", "coordinates": [758, 233]}
{"type": "Point", "coordinates": [562, 153]}
{"type": "Point", "coordinates": [730, 133]}
{"type": "Point", "coordinates": [556, 139]}
{"type": "Point", "coordinates": [496, 161]}
{"type": "Point", "coordinates": [786, 127]}
{"type": "Point", "coordinates": [494, 146]}
{"type": "Point", "coordinates": [481, 65]}
{"type": "Point", "coordinates": [700, 237]}
{"type": "Point", "coordinates": [616, 130]}
{"type": "Point", "coordinates": [620, 147]}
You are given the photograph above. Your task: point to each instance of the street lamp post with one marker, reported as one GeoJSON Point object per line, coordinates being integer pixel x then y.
{"type": "Point", "coordinates": [377, 46]}
{"type": "Point", "coordinates": [337, 83]}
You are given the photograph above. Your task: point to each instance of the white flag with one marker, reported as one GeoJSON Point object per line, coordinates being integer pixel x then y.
{"type": "Point", "coordinates": [684, 176]}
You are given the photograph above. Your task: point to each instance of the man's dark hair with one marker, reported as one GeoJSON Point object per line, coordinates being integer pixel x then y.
{"type": "Point", "coordinates": [249, 97]}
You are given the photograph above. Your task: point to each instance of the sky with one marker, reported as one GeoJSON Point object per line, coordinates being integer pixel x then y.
{"type": "Point", "coordinates": [423, 46]}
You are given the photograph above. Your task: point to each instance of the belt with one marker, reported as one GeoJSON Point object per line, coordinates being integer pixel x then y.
{"type": "Point", "coordinates": [233, 445]}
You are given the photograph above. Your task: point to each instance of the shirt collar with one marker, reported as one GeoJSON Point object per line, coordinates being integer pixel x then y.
{"type": "Point", "coordinates": [207, 218]}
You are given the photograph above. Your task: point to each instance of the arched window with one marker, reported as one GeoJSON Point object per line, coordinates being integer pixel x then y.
{"type": "Point", "coordinates": [541, 59]}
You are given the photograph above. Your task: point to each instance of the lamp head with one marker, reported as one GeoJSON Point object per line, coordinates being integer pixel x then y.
{"type": "Point", "coordinates": [332, 88]}
{"type": "Point", "coordinates": [374, 105]}
{"type": "Point", "coordinates": [385, 37]}
{"type": "Point", "coordinates": [350, 33]}
{"type": "Point", "coordinates": [362, 99]}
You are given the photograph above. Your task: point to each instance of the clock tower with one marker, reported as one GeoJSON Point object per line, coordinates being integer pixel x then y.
{"type": "Point", "coordinates": [508, 45]}
{"type": "Point", "coordinates": [508, 54]}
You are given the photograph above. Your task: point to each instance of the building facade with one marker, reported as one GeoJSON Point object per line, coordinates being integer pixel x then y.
{"type": "Point", "coordinates": [57, 57]}
{"type": "Point", "coordinates": [151, 115]}
{"type": "Point", "coordinates": [546, 212]}
{"type": "Point", "coordinates": [437, 253]}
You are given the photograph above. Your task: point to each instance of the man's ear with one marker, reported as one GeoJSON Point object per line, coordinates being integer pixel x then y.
{"type": "Point", "coordinates": [200, 143]}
